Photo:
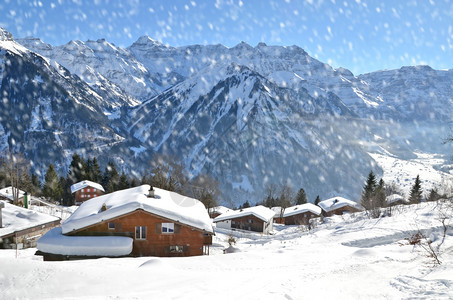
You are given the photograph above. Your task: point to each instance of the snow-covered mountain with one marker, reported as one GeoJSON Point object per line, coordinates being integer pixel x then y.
{"type": "Point", "coordinates": [249, 115]}
{"type": "Point", "coordinates": [48, 113]}
{"type": "Point", "coordinates": [240, 127]}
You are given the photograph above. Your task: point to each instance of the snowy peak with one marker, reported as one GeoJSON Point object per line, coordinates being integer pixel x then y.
{"type": "Point", "coordinates": [5, 35]}
{"type": "Point", "coordinates": [146, 42]}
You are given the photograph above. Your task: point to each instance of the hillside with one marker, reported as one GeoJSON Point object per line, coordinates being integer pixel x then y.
{"type": "Point", "coordinates": [346, 257]}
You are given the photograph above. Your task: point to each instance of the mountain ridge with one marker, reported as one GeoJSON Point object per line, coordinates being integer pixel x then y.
{"type": "Point", "coordinates": [254, 114]}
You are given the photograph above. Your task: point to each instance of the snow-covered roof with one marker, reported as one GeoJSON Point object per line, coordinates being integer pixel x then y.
{"type": "Point", "coordinates": [166, 204]}
{"type": "Point", "coordinates": [337, 202]}
{"type": "Point", "coordinates": [394, 198]}
{"type": "Point", "coordinates": [218, 209]}
{"type": "Point", "coordinates": [298, 209]}
{"type": "Point", "coordinates": [277, 211]}
{"type": "Point", "coordinates": [15, 218]}
{"type": "Point", "coordinates": [56, 243]}
{"type": "Point", "coordinates": [8, 193]}
{"type": "Point", "coordinates": [85, 183]}
{"type": "Point", "coordinates": [261, 212]}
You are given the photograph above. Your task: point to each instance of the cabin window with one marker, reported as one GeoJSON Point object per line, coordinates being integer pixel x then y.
{"type": "Point", "coordinates": [94, 190]}
{"type": "Point", "coordinates": [233, 222]}
{"type": "Point", "coordinates": [111, 226]}
{"type": "Point", "coordinates": [168, 227]}
{"type": "Point", "coordinates": [140, 232]}
{"type": "Point", "coordinates": [176, 249]}
{"type": "Point", "coordinates": [250, 221]}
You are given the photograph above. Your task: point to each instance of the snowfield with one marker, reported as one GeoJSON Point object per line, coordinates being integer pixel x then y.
{"type": "Point", "coordinates": [346, 257]}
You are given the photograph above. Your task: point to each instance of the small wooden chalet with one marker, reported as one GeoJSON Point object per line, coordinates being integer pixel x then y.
{"type": "Point", "coordinates": [339, 206]}
{"type": "Point", "coordinates": [21, 228]}
{"type": "Point", "coordinates": [257, 218]}
{"type": "Point", "coordinates": [301, 214]}
{"type": "Point", "coordinates": [139, 221]}
{"type": "Point", "coordinates": [395, 199]}
{"type": "Point", "coordinates": [85, 190]}
{"type": "Point", "coordinates": [278, 214]}
{"type": "Point", "coordinates": [217, 211]}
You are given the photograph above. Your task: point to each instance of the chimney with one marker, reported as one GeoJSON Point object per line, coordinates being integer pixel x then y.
{"type": "Point", "coordinates": [2, 205]}
{"type": "Point", "coordinates": [151, 192]}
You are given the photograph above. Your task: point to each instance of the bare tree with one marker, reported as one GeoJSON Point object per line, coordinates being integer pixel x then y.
{"type": "Point", "coordinates": [16, 168]}
{"type": "Point", "coordinates": [205, 189]}
{"type": "Point", "coordinates": [271, 191]}
{"type": "Point", "coordinates": [167, 173]}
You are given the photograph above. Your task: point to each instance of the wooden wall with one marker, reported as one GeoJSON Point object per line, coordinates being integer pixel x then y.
{"type": "Point", "coordinates": [342, 210]}
{"type": "Point", "coordinates": [88, 195]}
{"type": "Point", "coordinates": [300, 219]}
{"type": "Point", "coordinates": [156, 243]}
{"type": "Point", "coordinates": [249, 222]}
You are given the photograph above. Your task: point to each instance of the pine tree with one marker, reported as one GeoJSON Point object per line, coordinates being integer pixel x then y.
{"type": "Point", "coordinates": [111, 178]}
{"type": "Point", "coordinates": [416, 192]}
{"type": "Point", "coordinates": [123, 183]}
{"type": "Point", "coordinates": [368, 191]}
{"type": "Point", "coordinates": [76, 169]}
{"type": "Point", "coordinates": [36, 185]}
{"type": "Point", "coordinates": [379, 195]}
{"type": "Point", "coordinates": [246, 204]}
{"type": "Point", "coordinates": [52, 188]}
{"type": "Point", "coordinates": [301, 197]}
{"type": "Point", "coordinates": [433, 195]}
{"type": "Point", "coordinates": [134, 182]}
{"type": "Point", "coordinates": [67, 196]}
{"type": "Point", "coordinates": [93, 171]}
{"type": "Point", "coordinates": [317, 200]}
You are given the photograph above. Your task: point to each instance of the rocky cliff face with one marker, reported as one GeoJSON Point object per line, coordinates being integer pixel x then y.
{"type": "Point", "coordinates": [246, 115]}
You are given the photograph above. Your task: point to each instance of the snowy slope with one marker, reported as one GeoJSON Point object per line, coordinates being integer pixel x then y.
{"type": "Point", "coordinates": [349, 257]}
{"type": "Point", "coordinates": [235, 124]}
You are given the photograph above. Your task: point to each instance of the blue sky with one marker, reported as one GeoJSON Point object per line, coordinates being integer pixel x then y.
{"type": "Point", "coordinates": [363, 36]}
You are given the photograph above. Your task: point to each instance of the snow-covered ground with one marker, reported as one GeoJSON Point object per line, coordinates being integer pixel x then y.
{"type": "Point", "coordinates": [62, 212]}
{"type": "Point", "coordinates": [403, 172]}
{"type": "Point", "coordinates": [346, 257]}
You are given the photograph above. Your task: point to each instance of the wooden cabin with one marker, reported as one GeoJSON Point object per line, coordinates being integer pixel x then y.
{"type": "Point", "coordinates": [85, 190]}
{"type": "Point", "coordinates": [301, 214]}
{"type": "Point", "coordinates": [257, 219]}
{"type": "Point", "coordinates": [338, 206]}
{"type": "Point", "coordinates": [156, 222]}
{"type": "Point", "coordinates": [278, 214]}
{"type": "Point", "coordinates": [395, 199]}
{"type": "Point", "coordinates": [217, 211]}
{"type": "Point", "coordinates": [20, 228]}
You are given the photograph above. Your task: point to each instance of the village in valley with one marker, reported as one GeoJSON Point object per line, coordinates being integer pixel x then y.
{"type": "Point", "coordinates": [226, 149]}
{"type": "Point", "coordinates": [156, 218]}
{"type": "Point", "coordinates": [157, 228]}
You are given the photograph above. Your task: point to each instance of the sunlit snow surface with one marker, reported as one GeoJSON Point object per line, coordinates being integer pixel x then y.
{"type": "Point", "coordinates": [403, 172]}
{"type": "Point", "coordinates": [349, 257]}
